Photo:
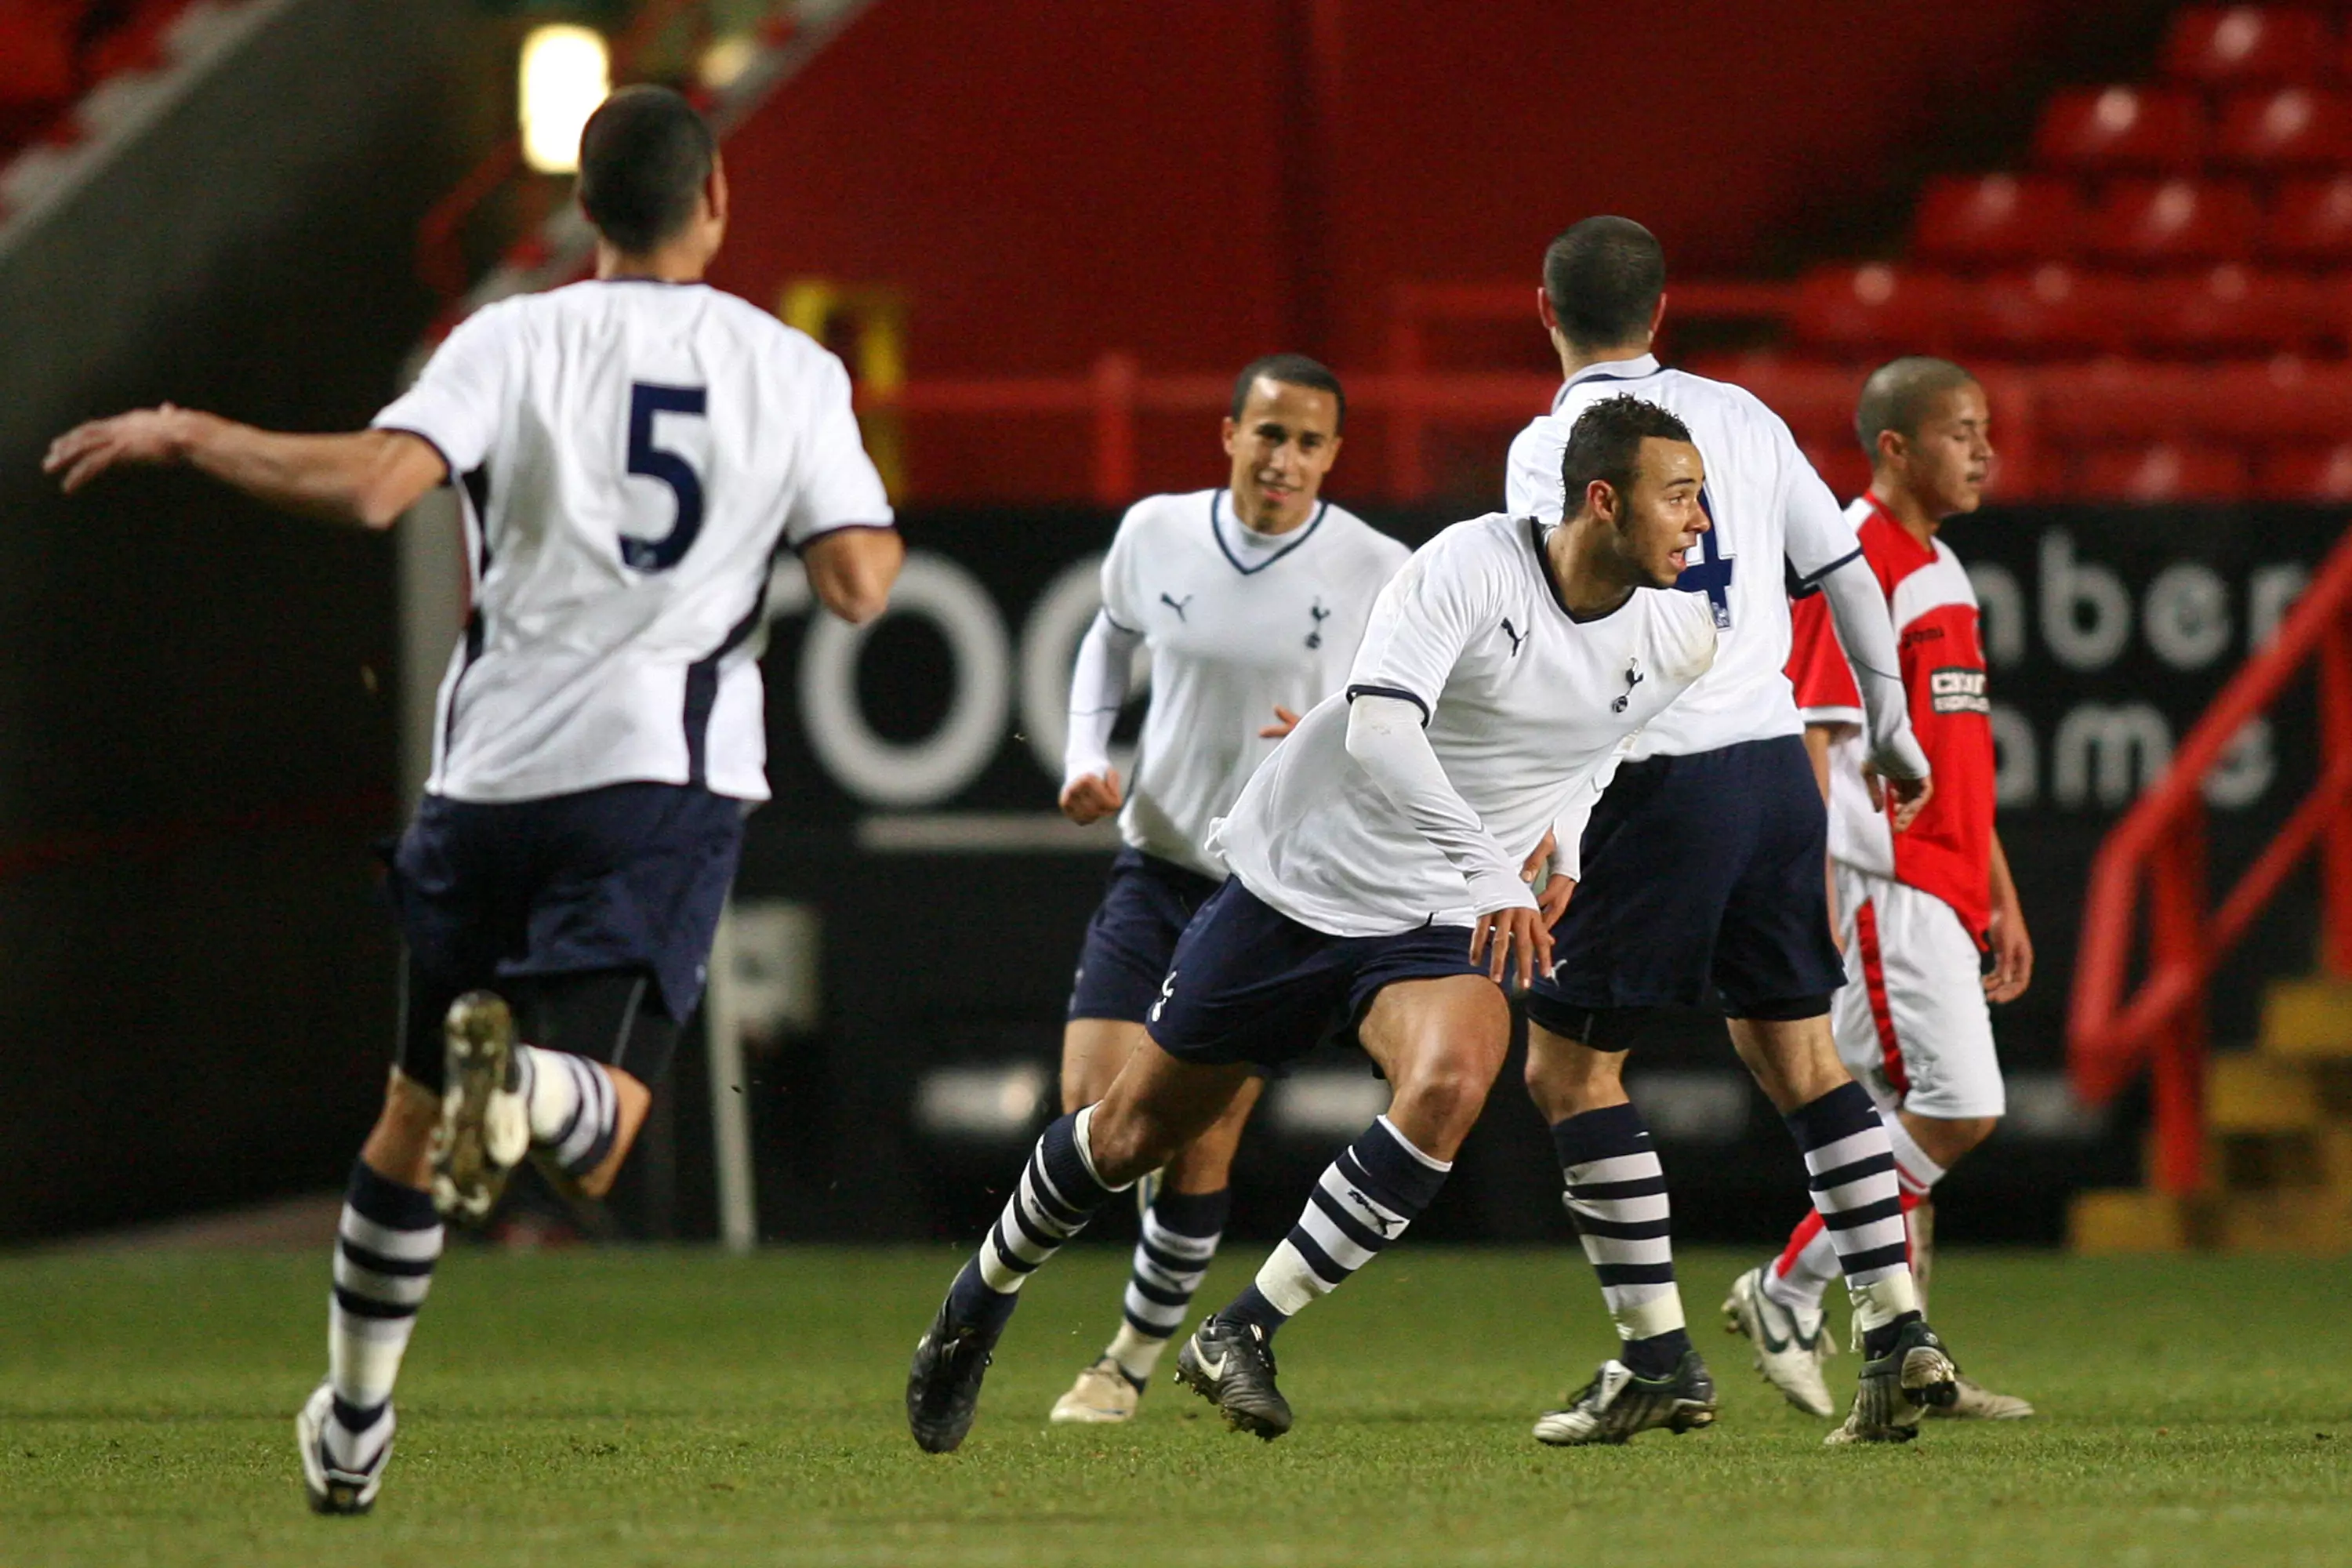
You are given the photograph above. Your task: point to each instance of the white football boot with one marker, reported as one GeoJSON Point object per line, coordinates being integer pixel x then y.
{"type": "Point", "coordinates": [1789, 1351]}
{"type": "Point", "coordinates": [336, 1487]}
{"type": "Point", "coordinates": [485, 1128]}
{"type": "Point", "coordinates": [1102, 1396]}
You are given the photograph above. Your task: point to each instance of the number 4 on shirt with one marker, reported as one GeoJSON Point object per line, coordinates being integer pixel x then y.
{"type": "Point", "coordinates": [654, 462]}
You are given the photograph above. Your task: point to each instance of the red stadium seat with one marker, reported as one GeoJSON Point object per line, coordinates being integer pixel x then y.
{"type": "Point", "coordinates": [2231, 310]}
{"type": "Point", "coordinates": [2288, 127]}
{"type": "Point", "coordinates": [2245, 46]}
{"type": "Point", "coordinates": [2161, 222]}
{"type": "Point", "coordinates": [2311, 221]}
{"type": "Point", "coordinates": [2161, 471]}
{"type": "Point", "coordinates": [1842, 464]}
{"type": "Point", "coordinates": [2099, 130]}
{"type": "Point", "coordinates": [1874, 309]}
{"type": "Point", "coordinates": [2315, 473]}
{"type": "Point", "coordinates": [2052, 311]}
{"type": "Point", "coordinates": [1998, 218]}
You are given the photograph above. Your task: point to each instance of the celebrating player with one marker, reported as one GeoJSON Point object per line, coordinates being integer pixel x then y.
{"type": "Point", "coordinates": [1377, 863]}
{"type": "Point", "coordinates": [1252, 600]}
{"type": "Point", "coordinates": [1915, 908]}
{"type": "Point", "coordinates": [1703, 875]}
{"type": "Point", "coordinates": [633, 452]}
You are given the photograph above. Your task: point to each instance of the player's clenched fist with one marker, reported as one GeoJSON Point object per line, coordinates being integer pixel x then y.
{"type": "Point", "coordinates": [1088, 800]}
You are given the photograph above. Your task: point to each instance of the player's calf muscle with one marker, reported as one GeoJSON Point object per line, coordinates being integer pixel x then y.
{"type": "Point", "coordinates": [632, 1100]}
{"type": "Point", "coordinates": [399, 1147]}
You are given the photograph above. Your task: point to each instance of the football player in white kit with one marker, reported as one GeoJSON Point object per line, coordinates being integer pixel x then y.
{"type": "Point", "coordinates": [633, 454]}
{"type": "Point", "coordinates": [1250, 599]}
{"type": "Point", "coordinates": [1379, 867]}
{"type": "Point", "coordinates": [1703, 873]}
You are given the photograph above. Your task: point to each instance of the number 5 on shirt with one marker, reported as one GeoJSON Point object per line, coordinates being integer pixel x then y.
{"type": "Point", "coordinates": [654, 462]}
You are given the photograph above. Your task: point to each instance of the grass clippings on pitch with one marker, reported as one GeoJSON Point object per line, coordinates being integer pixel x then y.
{"type": "Point", "coordinates": [679, 1408]}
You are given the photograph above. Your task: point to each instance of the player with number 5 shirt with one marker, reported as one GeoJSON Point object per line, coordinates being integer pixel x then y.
{"type": "Point", "coordinates": [631, 454]}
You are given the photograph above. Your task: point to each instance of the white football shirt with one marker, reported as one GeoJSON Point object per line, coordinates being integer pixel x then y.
{"type": "Point", "coordinates": [1768, 506]}
{"type": "Point", "coordinates": [1237, 623]}
{"type": "Point", "coordinates": [1525, 707]}
{"type": "Point", "coordinates": [631, 455]}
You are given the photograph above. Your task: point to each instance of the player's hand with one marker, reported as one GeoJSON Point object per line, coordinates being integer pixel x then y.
{"type": "Point", "coordinates": [2013, 956]}
{"type": "Point", "coordinates": [1910, 796]}
{"type": "Point", "coordinates": [1088, 800]}
{"type": "Point", "coordinates": [1552, 900]}
{"type": "Point", "coordinates": [1515, 943]}
{"type": "Point", "coordinates": [1285, 722]}
{"type": "Point", "coordinates": [142, 435]}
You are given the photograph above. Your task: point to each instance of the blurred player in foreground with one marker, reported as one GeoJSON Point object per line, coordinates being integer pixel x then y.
{"type": "Point", "coordinates": [632, 453]}
{"type": "Point", "coordinates": [1703, 875]}
{"type": "Point", "coordinates": [1378, 880]}
{"type": "Point", "coordinates": [1252, 599]}
{"type": "Point", "coordinates": [1914, 908]}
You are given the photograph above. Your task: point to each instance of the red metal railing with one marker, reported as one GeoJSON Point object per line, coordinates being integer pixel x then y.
{"type": "Point", "coordinates": [2157, 856]}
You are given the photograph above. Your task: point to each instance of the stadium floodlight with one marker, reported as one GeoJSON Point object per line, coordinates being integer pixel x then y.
{"type": "Point", "coordinates": [566, 71]}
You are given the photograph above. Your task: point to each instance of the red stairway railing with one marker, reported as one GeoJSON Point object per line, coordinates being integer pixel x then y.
{"type": "Point", "coordinates": [2155, 857]}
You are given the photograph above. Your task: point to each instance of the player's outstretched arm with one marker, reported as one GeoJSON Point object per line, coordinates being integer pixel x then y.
{"type": "Point", "coordinates": [851, 570]}
{"type": "Point", "coordinates": [365, 477]}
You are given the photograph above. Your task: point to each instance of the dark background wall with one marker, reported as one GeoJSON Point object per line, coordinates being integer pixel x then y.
{"type": "Point", "coordinates": [196, 738]}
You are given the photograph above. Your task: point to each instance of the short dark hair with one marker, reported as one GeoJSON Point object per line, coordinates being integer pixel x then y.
{"type": "Point", "coordinates": [1291, 370]}
{"type": "Point", "coordinates": [644, 156]}
{"type": "Point", "coordinates": [1605, 444]}
{"type": "Point", "coordinates": [1603, 277]}
{"type": "Point", "coordinates": [1897, 396]}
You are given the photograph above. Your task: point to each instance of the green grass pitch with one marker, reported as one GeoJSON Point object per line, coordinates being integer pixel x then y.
{"type": "Point", "coordinates": [662, 1407]}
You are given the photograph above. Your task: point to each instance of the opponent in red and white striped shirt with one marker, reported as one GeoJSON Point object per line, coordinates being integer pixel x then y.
{"type": "Point", "coordinates": [1915, 910]}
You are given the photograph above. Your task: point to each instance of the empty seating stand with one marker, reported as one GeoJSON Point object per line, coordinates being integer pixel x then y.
{"type": "Point", "coordinates": [2186, 240]}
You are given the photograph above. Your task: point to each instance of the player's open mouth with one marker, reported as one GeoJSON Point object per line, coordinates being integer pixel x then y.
{"type": "Point", "coordinates": [1674, 558]}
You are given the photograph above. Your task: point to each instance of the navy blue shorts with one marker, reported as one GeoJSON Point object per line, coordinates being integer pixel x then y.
{"type": "Point", "coordinates": [1703, 871]}
{"type": "Point", "coordinates": [1248, 983]}
{"type": "Point", "coordinates": [631, 877]}
{"type": "Point", "coordinates": [1145, 906]}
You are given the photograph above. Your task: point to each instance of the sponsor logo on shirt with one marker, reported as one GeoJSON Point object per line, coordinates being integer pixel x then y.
{"type": "Point", "coordinates": [1177, 604]}
{"type": "Point", "coordinates": [1516, 637]}
{"type": "Point", "coordinates": [1955, 689]}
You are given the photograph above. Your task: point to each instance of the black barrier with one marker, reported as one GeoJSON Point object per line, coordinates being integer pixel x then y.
{"type": "Point", "coordinates": [916, 761]}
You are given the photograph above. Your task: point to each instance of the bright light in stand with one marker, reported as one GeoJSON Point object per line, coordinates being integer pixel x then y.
{"type": "Point", "coordinates": [566, 72]}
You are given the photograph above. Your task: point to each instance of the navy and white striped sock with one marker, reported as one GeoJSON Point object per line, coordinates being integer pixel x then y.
{"type": "Point", "coordinates": [1617, 1197]}
{"type": "Point", "coordinates": [1364, 1200]}
{"type": "Point", "coordinates": [386, 1246]}
{"type": "Point", "coordinates": [1851, 1163]}
{"type": "Point", "coordinates": [1181, 1231]}
{"type": "Point", "coordinates": [574, 1112]}
{"type": "Point", "coordinates": [1057, 1193]}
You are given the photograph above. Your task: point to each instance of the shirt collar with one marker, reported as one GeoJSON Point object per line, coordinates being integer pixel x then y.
{"type": "Point", "coordinates": [1635, 369]}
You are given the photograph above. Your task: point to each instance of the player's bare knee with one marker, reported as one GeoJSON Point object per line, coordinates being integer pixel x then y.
{"type": "Point", "coordinates": [1441, 1096]}
{"type": "Point", "coordinates": [1565, 1077]}
{"type": "Point", "coordinates": [1124, 1142]}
